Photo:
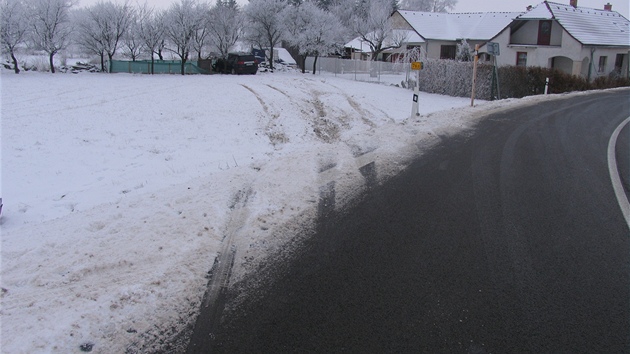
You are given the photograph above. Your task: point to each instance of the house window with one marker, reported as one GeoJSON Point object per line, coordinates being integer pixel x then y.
{"type": "Point", "coordinates": [521, 59]}
{"type": "Point", "coordinates": [544, 32]}
{"type": "Point", "coordinates": [448, 51]}
{"type": "Point", "coordinates": [602, 64]}
{"type": "Point", "coordinates": [618, 62]}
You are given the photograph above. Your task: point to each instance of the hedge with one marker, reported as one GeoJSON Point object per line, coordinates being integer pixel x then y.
{"type": "Point", "coordinates": [453, 78]}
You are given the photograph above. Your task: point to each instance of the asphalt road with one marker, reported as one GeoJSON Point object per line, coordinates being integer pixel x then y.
{"type": "Point", "coordinates": [509, 240]}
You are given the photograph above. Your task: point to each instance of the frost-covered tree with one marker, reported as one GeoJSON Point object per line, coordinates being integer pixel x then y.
{"type": "Point", "coordinates": [428, 5]}
{"type": "Point", "coordinates": [372, 26]}
{"type": "Point", "coordinates": [265, 24]}
{"type": "Point", "coordinates": [14, 27]}
{"type": "Point", "coordinates": [151, 32]}
{"type": "Point", "coordinates": [324, 4]}
{"type": "Point", "coordinates": [201, 37]}
{"type": "Point", "coordinates": [88, 37]}
{"type": "Point", "coordinates": [181, 22]}
{"type": "Point", "coordinates": [344, 11]}
{"type": "Point", "coordinates": [312, 30]}
{"type": "Point", "coordinates": [132, 42]}
{"type": "Point", "coordinates": [104, 25]}
{"type": "Point", "coordinates": [464, 52]}
{"type": "Point", "coordinates": [412, 54]}
{"type": "Point", "coordinates": [225, 25]}
{"type": "Point", "coordinates": [51, 26]}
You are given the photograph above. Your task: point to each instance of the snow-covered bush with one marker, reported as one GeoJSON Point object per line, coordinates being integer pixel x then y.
{"type": "Point", "coordinates": [464, 52]}
{"type": "Point", "coordinates": [453, 78]}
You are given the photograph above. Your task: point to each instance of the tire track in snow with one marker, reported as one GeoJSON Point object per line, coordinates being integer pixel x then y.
{"type": "Point", "coordinates": [276, 135]}
{"type": "Point", "coordinates": [209, 318]}
{"type": "Point", "coordinates": [325, 129]}
{"type": "Point", "coordinates": [357, 107]}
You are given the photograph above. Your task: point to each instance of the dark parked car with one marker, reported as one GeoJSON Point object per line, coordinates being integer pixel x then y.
{"type": "Point", "coordinates": [236, 63]}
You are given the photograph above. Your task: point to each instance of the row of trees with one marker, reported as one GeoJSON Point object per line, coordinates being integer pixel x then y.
{"type": "Point", "coordinates": [194, 27]}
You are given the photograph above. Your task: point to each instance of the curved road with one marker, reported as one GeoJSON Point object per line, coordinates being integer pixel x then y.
{"type": "Point", "coordinates": [509, 240]}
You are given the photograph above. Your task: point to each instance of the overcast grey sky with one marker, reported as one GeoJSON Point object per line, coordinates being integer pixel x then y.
{"type": "Point", "coordinates": [620, 6]}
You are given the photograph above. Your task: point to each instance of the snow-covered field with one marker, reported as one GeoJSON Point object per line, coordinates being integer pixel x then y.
{"type": "Point", "coordinates": [119, 190]}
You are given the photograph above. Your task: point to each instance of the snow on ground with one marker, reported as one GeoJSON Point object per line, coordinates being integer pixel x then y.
{"type": "Point", "coordinates": [119, 190]}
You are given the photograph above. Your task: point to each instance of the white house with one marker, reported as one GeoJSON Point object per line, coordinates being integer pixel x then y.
{"type": "Point", "coordinates": [576, 40]}
{"type": "Point", "coordinates": [439, 33]}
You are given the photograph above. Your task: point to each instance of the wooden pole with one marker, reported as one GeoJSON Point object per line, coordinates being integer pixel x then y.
{"type": "Point", "coordinates": [472, 96]}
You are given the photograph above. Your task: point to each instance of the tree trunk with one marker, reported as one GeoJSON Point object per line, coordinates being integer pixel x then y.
{"type": "Point", "coordinates": [15, 63]}
{"type": "Point", "coordinates": [183, 66]}
{"type": "Point", "coordinates": [303, 63]}
{"type": "Point", "coordinates": [315, 64]}
{"type": "Point", "coordinates": [52, 65]}
{"type": "Point", "coordinates": [102, 62]}
{"type": "Point", "coordinates": [159, 53]}
{"type": "Point", "coordinates": [271, 56]}
{"type": "Point", "coordinates": [50, 61]}
{"type": "Point", "coordinates": [110, 57]}
{"type": "Point", "coordinates": [152, 65]}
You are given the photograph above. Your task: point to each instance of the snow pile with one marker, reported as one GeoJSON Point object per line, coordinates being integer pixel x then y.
{"type": "Point", "coordinates": [119, 190]}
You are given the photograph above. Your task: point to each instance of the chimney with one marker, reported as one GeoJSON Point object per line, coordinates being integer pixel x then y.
{"type": "Point", "coordinates": [573, 3]}
{"type": "Point", "coordinates": [608, 7]}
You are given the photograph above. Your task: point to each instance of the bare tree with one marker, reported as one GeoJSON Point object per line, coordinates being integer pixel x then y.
{"type": "Point", "coordinates": [132, 42]}
{"type": "Point", "coordinates": [225, 25]}
{"type": "Point", "coordinates": [265, 24]}
{"type": "Point", "coordinates": [51, 26]}
{"type": "Point", "coordinates": [151, 32]}
{"type": "Point", "coordinates": [428, 5]}
{"type": "Point", "coordinates": [371, 24]}
{"type": "Point", "coordinates": [200, 38]}
{"type": "Point", "coordinates": [312, 30]}
{"type": "Point", "coordinates": [14, 28]}
{"type": "Point", "coordinates": [103, 27]}
{"type": "Point", "coordinates": [344, 11]}
{"type": "Point", "coordinates": [88, 36]}
{"type": "Point", "coordinates": [181, 22]}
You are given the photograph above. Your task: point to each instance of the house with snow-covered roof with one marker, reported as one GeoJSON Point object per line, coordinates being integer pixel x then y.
{"type": "Point", "coordinates": [439, 33]}
{"type": "Point", "coordinates": [576, 40]}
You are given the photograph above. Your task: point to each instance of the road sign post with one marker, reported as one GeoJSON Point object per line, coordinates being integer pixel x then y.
{"type": "Point", "coordinates": [494, 51]}
{"type": "Point", "coordinates": [474, 78]}
{"type": "Point", "coordinates": [415, 109]}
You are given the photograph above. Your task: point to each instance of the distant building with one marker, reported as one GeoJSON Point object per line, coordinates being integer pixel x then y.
{"type": "Point", "coordinates": [439, 33]}
{"type": "Point", "coordinates": [576, 40]}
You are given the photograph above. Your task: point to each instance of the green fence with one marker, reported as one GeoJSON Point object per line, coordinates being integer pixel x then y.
{"type": "Point", "coordinates": [159, 67]}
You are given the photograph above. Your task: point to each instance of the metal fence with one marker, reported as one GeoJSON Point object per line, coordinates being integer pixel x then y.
{"type": "Point", "coordinates": [159, 67]}
{"type": "Point", "coordinates": [361, 70]}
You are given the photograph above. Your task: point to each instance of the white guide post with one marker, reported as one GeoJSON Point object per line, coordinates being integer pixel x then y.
{"type": "Point", "coordinates": [415, 109]}
{"type": "Point", "coordinates": [546, 86]}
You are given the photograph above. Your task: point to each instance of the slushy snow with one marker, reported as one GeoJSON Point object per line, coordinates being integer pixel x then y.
{"type": "Point", "coordinates": [119, 189]}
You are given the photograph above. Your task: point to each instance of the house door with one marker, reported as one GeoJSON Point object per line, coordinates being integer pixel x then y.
{"type": "Point", "coordinates": [544, 32]}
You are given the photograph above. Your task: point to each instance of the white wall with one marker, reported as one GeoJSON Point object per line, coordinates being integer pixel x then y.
{"type": "Point", "coordinates": [528, 34]}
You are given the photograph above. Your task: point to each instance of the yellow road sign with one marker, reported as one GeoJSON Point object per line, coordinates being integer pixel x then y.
{"type": "Point", "coordinates": [416, 65]}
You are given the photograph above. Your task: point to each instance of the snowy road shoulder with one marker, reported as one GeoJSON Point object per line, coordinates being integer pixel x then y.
{"type": "Point", "coordinates": [125, 268]}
